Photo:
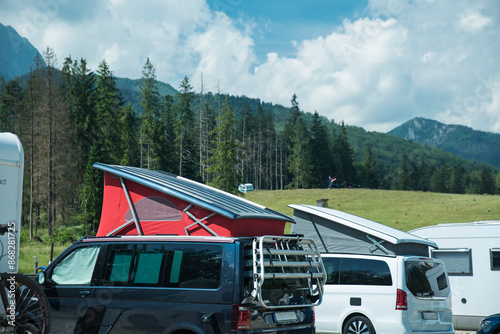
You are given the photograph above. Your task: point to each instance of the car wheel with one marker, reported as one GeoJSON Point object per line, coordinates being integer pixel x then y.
{"type": "Point", "coordinates": [358, 325]}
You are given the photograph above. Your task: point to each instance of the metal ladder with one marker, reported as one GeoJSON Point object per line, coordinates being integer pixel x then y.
{"type": "Point", "coordinates": [285, 258]}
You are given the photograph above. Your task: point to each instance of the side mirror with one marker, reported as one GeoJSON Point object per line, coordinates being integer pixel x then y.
{"type": "Point", "coordinates": [42, 279]}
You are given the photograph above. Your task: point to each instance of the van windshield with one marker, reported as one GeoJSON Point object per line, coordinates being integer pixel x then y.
{"type": "Point", "coordinates": [426, 279]}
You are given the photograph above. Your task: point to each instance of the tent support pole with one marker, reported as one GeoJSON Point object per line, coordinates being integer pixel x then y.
{"type": "Point", "coordinates": [132, 207]}
{"type": "Point", "coordinates": [198, 221]}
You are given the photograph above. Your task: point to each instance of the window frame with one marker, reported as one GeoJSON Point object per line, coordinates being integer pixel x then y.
{"type": "Point", "coordinates": [72, 251]}
{"type": "Point", "coordinates": [492, 265]}
{"type": "Point", "coordinates": [338, 270]}
{"type": "Point", "coordinates": [467, 251]}
{"type": "Point", "coordinates": [166, 263]}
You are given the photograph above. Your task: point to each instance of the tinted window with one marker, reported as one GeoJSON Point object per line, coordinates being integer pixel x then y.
{"type": "Point", "coordinates": [458, 262]}
{"type": "Point", "coordinates": [194, 266]}
{"type": "Point", "coordinates": [77, 267]}
{"type": "Point", "coordinates": [495, 259]}
{"type": "Point", "coordinates": [364, 272]}
{"type": "Point", "coordinates": [332, 270]}
{"type": "Point", "coordinates": [426, 279]}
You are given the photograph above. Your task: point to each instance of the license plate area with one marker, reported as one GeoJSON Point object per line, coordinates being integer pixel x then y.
{"type": "Point", "coordinates": [287, 316]}
{"type": "Point", "coordinates": [429, 316]}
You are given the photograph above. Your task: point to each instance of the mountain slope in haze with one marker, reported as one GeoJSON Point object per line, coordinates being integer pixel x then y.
{"type": "Point", "coordinates": [16, 53]}
{"type": "Point", "coordinates": [457, 139]}
{"type": "Point", "coordinates": [131, 90]}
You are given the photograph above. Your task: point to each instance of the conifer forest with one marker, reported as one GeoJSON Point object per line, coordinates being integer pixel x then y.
{"type": "Point", "coordinates": [69, 117]}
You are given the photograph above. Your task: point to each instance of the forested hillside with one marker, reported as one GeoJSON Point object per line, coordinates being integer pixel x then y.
{"type": "Point", "coordinates": [456, 139]}
{"type": "Point", "coordinates": [71, 117]}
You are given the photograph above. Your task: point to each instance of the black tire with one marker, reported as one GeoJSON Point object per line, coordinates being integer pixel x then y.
{"type": "Point", "coordinates": [31, 313]}
{"type": "Point", "coordinates": [358, 325]}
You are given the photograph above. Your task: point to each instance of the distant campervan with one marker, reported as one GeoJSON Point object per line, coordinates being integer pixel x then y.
{"type": "Point", "coordinates": [244, 187]}
{"type": "Point", "coordinates": [471, 254]}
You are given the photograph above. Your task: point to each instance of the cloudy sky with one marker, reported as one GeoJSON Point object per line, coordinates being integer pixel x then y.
{"type": "Point", "coordinates": [370, 63]}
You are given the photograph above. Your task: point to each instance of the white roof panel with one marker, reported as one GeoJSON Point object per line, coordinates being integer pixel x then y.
{"type": "Point", "coordinates": [381, 231]}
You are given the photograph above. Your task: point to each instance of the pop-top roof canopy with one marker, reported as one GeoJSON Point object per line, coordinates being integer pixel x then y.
{"type": "Point", "coordinates": [157, 202]}
{"type": "Point", "coordinates": [340, 232]}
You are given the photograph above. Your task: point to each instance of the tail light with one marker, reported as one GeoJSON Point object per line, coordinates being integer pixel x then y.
{"type": "Point", "coordinates": [240, 319]}
{"type": "Point", "coordinates": [401, 300]}
{"type": "Point", "coordinates": [314, 315]}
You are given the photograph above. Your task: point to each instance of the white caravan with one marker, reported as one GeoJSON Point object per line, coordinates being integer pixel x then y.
{"type": "Point", "coordinates": [471, 254]}
{"type": "Point", "coordinates": [379, 279]}
{"type": "Point", "coordinates": [11, 192]}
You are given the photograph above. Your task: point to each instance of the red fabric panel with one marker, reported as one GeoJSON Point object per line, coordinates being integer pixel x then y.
{"type": "Point", "coordinates": [115, 207]}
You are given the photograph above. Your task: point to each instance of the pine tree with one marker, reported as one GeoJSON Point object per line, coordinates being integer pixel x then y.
{"type": "Point", "coordinates": [322, 159]}
{"type": "Point", "coordinates": [11, 105]}
{"type": "Point", "coordinates": [345, 156]}
{"type": "Point", "coordinates": [224, 160]}
{"type": "Point", "coordinates": [166, 138]}
{"type": "Point", "coordinates": [299, 160]}
{"type": "Point", "coordinates": [92, 192]}
{"type": "Point", "coordinates": [457, 182]}
{"type": "Point", "coordinates": [245, 138]}
{"type": "Point", "coordinates": [486, 181]}
{"type": "Point", "coordinates": [129, 125]}
{"type": "Point", "coordinates": [371, 179]}
{"type": "Point", "coordinates": [150, 102]}
{"type": "Point", "coordinates": [403, 180]}
{"type": "Point", "coordinates": [286, 135]}
{"type": "Point", "coordinates": [440, 179]}
{"type": "Point", "coordinates": [108, 104]}
{"type": "Point", "coordinates": [82, 100]}
{"type": "Point", "coordinates": [185, 131]}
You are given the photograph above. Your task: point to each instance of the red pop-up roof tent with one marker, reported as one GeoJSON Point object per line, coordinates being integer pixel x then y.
{"type": "Point", "coordinates": [139, 201]}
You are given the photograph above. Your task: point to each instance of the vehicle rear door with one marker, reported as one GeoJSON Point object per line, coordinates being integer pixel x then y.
{"type": "Point", "coordinates": [428, 295]}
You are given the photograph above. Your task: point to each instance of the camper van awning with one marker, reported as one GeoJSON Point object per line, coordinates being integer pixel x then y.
{"type": "Point", "coordinates": [337, 231]}
{"type": "Point", "coordinates": [209, 198]}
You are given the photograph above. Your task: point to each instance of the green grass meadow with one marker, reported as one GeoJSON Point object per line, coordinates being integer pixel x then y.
{"type": "Point", "coordinates": [404, 210]}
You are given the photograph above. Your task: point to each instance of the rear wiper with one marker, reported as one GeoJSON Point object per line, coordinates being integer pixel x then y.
{"type": "Point", "coordinates": [426, 294]}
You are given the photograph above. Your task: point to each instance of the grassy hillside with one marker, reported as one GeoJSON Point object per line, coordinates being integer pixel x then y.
{"type": "Point", "coordinates": [404, 210]}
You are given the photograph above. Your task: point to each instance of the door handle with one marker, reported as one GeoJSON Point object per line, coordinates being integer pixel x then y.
{"type": "Point", "coordinates": [84, 293]}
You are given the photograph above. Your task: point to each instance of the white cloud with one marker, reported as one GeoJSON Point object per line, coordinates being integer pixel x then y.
{"type": "Point", "coordinates": [475, 22]}
{"type": "Point", "coordinates": [403, 59]}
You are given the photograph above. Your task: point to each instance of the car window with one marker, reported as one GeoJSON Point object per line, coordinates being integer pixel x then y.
{"type": "Point", "coordinates": [364, 272]}
{"type": "Point", "coordinates": [332, 267]}
{"type": "Point", "coordinates": [194, 266]}
{"type": "Point", "coordinates": [426, 279]}
{"type": "Point", "coordinates": [77, 267]}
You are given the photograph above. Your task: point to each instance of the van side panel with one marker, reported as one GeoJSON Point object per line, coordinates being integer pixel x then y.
{"type": "Point", "coordinates": [198, 305]}
{"type": "Point", "coordinates": [342, 301]}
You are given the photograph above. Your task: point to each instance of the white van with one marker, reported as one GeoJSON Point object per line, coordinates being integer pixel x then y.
{"type": "Point", "coordinates": [380, 279]}
{"type": "Point", "coordinates": [471, 254]}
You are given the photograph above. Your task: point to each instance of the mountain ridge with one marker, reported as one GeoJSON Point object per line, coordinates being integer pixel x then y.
{"type": "Point", "coordinates": [17, 54]}
{"type": "Point", "coordinates": [461, 140]}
